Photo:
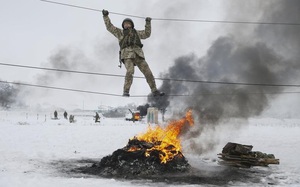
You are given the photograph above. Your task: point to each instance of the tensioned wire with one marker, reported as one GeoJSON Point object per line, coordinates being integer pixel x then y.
{"type": "Point", "coordinates": [158, 78]}
{"type": "Point", "coordinates": [118, 95]}
{"type": "Point", "coordinates": [178, 19]}
{"type": "Point", "coordinates": [168, 94]}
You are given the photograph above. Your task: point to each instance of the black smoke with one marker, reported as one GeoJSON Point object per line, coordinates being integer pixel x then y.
{"type": "Point", "coordinates": [174, 88]}
{"type": "Point", "coordinates": [227, 60]}
{"type": "Point", "coordinates": [8, 95]}
{"type": "Point", "coordinates": [143, 109]}
{"type": "Point", "coordinates": [269, 56]}
{"type": "Point", "coordinates": [65, 58]}
{"type": "Point", "coordinates": [231, 59]}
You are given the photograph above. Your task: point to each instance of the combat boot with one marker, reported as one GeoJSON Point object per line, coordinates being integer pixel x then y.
{"type": "Point", "coordinates": [126, 94]}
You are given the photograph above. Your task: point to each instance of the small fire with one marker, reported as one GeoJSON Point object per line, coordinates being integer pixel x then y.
{"type": "Point", "coordinates": [166, 140]}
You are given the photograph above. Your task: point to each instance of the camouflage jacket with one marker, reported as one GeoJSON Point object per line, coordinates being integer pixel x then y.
{"type": "Point", "coordinates": [131, 51]}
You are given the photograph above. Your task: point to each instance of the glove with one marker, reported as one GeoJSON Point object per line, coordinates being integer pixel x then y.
{"type": "Point", "coordinates": [105, 12]}
{"type": "Point", "coordinates": [148, 19]}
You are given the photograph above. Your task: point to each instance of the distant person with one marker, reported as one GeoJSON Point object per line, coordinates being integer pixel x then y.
{"type": "Point", "coordinates": [65, 115]}
{"type": "Point", "coordinates": [71, 119]}
{"type": "Point", "coordinates": [97, 118]}
{"type": "Point", "coordinates": [131, 53]}
{"type": "Point", "coordinates": [55, 114]}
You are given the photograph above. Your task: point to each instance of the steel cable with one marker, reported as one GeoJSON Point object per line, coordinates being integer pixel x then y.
{"type": "Point", "coordinates": [158, 78]}
{"type": "Point", "coordinates": [178, 19]}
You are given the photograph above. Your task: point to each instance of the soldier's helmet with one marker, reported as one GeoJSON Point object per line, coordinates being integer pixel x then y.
{"type": "Point", "coordinates": [127, 20]}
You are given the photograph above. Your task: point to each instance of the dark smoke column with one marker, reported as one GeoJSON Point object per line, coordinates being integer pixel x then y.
{"type": "Point", "coordinates": [8, 95]}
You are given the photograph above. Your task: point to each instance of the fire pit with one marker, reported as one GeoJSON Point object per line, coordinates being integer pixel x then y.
{"type": "Point", "coordinates": [155, 152]}
{"type": "Point", "coordinates": [130, 161]}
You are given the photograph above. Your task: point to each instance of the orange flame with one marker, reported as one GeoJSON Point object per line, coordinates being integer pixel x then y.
{"type": "Point", "coordinates": [166, 139]}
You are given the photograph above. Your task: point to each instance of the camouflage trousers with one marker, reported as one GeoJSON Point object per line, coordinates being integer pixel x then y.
{"type": "Point", "coordinates": [144, 68]}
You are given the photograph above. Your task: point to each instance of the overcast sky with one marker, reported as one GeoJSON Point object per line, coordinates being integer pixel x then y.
{"type": "Point", "coordinates": [37, 33]}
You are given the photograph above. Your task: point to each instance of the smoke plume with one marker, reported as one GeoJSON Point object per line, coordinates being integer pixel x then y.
{"type": "Point", "coordinates": [62, 58]}
{"type": "Point", "coordinates": [8, 95]}
{"type": "Point", "coordinates": [65, 58]}
{"type": "Point", "coordinates": [227, 60]}
{"type": "Point", "coordinates": [271, 58]}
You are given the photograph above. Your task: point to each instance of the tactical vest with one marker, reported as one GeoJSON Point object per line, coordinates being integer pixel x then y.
{"type": "Point", "coordinates": [131, 38]}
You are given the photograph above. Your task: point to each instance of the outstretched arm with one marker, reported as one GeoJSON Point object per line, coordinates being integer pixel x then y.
{"type": "Point", "coordinates": [147, 32]}
{"type": "Point", "coordinates": [110, 27]}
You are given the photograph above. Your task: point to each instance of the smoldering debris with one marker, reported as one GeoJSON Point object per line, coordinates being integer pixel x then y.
{"type": "Point", "coordinates": [127, 163]}
{"type": "Point", "coordinates": [238, 155]}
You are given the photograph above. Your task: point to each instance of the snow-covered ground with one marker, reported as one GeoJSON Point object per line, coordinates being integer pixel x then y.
{"type": "Point", "coordinates": [33, 149]}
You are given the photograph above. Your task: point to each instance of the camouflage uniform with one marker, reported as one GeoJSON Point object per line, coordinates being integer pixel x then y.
{"type": "Point", "coordinates": [133, 55]}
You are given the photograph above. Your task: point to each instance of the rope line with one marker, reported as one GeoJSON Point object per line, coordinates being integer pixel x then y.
{"type": "Point", "coordinates": [177, 19]}
{"type": "Point", "coordinates": [59, 88]}
{"type": "Point", "coordinates": [62, 70]}
{"type": "Point", "coordinates": [118, 95]}
{"type": "Point", "coordinates": [162, 79]}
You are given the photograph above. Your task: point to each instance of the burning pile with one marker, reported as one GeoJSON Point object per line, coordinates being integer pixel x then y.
{"type": "Point", "coordinates": [153, 153]}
